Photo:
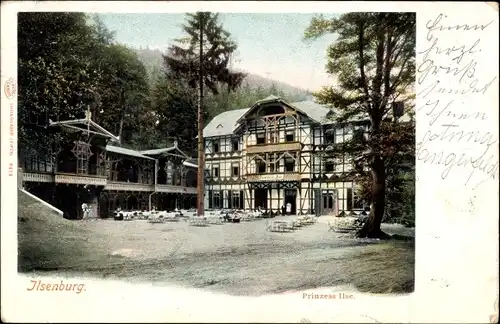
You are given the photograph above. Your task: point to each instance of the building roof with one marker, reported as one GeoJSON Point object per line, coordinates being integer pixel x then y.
{"type": "Point", "coordinates": [158, 151]}
{"type": "Point", "coordinates": [125, 151]}
{"type": "Point", "coordinates": [226, 122]}
{"type": "Point", "coordinates": [85, 125]}
{"type": "Point", "coordinates": [155, 152]}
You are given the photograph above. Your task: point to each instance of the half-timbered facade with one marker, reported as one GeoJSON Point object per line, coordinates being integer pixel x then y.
{"type": "Point", "coordinates": [272, 155]}
{"type": "Point", "coordinates": [88, 167]}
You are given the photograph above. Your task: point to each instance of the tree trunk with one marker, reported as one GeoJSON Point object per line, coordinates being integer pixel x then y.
{"type": "Point", "coordinates": [371, 229]}
{"type": "Point", "coordinates": [201, 150]}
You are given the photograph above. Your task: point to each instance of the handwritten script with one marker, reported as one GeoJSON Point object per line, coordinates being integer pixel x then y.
{"type": "Point", "coordinates": [454, 80]}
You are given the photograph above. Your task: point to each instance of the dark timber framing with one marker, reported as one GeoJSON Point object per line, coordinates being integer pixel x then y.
{"type": "Point", "coordinates": [281, 159]}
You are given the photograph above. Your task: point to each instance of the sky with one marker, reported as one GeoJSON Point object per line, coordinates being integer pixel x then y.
{"type": "Point", "coordinates": [269, 45]}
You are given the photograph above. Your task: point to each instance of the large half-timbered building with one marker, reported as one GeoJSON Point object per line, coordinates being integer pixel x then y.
{"type": "Point", "coordinates": [273, 154]}
{"type": "Point", "coordinates": [89, 167]}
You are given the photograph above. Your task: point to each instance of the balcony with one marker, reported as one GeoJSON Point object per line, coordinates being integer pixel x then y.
{"type": "Point", "coordinates": [37, 177]}
{"type": "Point", "coordinates": [83, 179]}
{"type": "Point", "coordinates": [68, 178]}
{"type": "Point", "coordinates": [175, 189]}
{"type": "Point", "coordinates": [129, 186]}
{"type": "Point", "coordinates": [273, 147]}
{"type": "Point", "coordinates": [271, 177]}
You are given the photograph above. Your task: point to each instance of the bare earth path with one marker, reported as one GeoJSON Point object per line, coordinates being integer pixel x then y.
{"type": "Point", "coordinates": [239, 259]}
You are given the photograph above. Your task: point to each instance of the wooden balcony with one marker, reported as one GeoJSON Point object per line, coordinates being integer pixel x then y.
{"type": "Point", "coordinates": [37, 177]}
{"type": "Point", "coordinates": [102, 181]}
{"type": "Point", "coordinates": [175, 189]}
{"type": "Point", "coordinates": [70, 178]}
{"type": "Point", "coordinates": [272, 177]}
{"type": "Point", "coordinates": [275, 147]}
{"type": "Point", "coordinates": [128, 186]}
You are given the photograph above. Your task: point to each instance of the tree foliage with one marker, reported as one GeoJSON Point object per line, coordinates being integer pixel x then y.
{"type": "Point", "coordinates": [183, 58]}
{"type": "Point", "coordinates": [373, 60]}
{"type": "Point", "coordinates": [175, 90]}
{"type": "Point", "coordinates": [68, 64]}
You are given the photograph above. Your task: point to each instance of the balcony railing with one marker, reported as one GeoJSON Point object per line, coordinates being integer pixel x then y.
{"type": "Point", "coordinates": [269, 177]}
{"type": "Point", "coordinates": [175, 189]}
{"type": "Point", "coordinates": [80, 179]}
{"type": "Point", "coordinates": [128, 186]}
{"type": "Point", "coordinates": [37, 177]}
{"type": "Point", "coordinates": [273, 147]}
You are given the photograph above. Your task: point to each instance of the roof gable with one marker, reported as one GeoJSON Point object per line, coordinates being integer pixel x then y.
{"type": "Point", "coordinates": [227, 122]}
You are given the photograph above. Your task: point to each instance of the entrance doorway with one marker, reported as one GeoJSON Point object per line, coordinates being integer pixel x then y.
{"type": "Point", "coordinates": [291, 198]}
{"type": "Point", "coordinates": [328, 202]}
{"type": "Point", "coordinates": [260, 198]}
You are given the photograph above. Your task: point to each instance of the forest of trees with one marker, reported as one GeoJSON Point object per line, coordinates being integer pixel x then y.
{"type": "Point", "coordinates": [70, 62]}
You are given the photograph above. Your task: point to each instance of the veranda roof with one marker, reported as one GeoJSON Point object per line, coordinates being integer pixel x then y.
{"type": "Point", "coordinates": [85, 125]}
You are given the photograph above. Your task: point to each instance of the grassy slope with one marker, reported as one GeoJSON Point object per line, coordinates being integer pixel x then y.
{"type": "Point", "coordinates": [49, 242]}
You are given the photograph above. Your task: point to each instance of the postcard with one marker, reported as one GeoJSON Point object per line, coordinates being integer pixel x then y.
{"type": "Point", "coordinates": [254, 161]}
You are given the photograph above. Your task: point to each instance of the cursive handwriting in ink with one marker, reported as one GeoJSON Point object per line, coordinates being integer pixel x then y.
{"type": "Point", "coordinates": [473, 88]}
{"type": "Point", "coordinates": [450, 51]}
{"type": "Point", "coordinates": [436, 25]}
{"type": "Point", "coordinates": [453, 80]}
{"type": "Point", "coordinates": [429, 67]}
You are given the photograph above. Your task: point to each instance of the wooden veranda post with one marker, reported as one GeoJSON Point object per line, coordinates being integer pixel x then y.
{"type": "Point", "coordinates": [201, 151]}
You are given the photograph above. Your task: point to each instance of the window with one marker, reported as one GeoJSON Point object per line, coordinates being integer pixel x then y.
{"type": "Point", "coordinates": [272, 163]}
{"type": "Point", "coordinates": [215, 171]}
{"type": "Point", "coordinates": [261, 138]}
{"type": "Point", "coordinates": [235, 199]}
{"type": "Point", "coordinates": [290, 136]}
{"type": "Point", "coordinates": [261, 167]}
{"type": "Point", "coordinates": [289, 164]}
{"type": "Point", "coordinates": [329, 136]}
{"type": "Point", "coordinates": [169, 169]}
{"type": "Point", "coordinates": [236, 145]}
{"type": "Point", "coordinates": [349, 198]}
{"type": "Point", "coordinates": [329, 165]}
{"type": "Point", "coordinates": [273, 137]}
{"type": "Point", "coordinates": [216, 198]}
{"type": "Point", "coordinates": [357, 200]}
{"type": "Point", "coordinates": [236, 170]}
{"type": "Point", "coordinates": [216, 146]}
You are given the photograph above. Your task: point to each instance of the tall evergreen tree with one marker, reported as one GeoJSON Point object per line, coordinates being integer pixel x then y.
{"type": "Point", "coordinates": [183, 58]}
{"type": "Point", "coordinates": [373, 59]}
{"type": "Point", "coordinates": [202, 59]}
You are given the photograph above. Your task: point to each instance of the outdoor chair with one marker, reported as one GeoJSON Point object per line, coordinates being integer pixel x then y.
{"type": "Point", "coordinates": [216, 220]}
{"type": "Point", "coordinates": [198, 221]}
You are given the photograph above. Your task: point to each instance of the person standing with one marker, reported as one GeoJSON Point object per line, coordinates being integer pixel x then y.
{"type": "Point", "coordinates": [288, 208]}
{"type": "Point", "coordinates": [85, 210]}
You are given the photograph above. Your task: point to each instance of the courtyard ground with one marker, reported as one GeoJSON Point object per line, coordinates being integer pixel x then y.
{"type": "Point", "coordinates": [237, 259]}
